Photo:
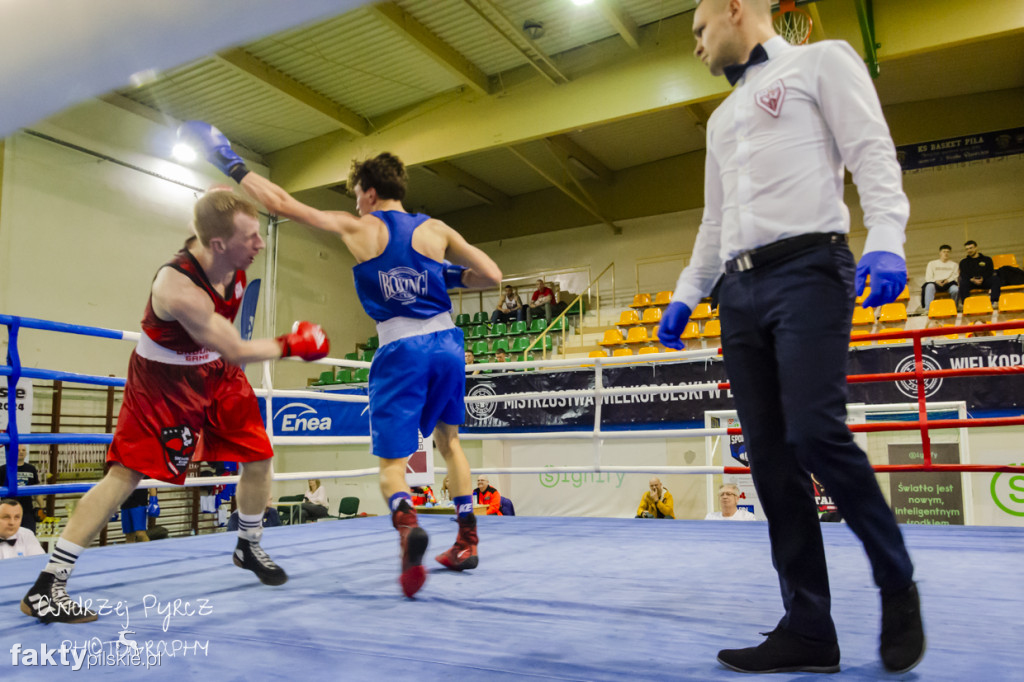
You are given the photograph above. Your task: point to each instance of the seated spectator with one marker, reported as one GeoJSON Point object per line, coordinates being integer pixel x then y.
{"type": "Point", "coordinates": [976, 273]}
{"type": "Point", "coordinates": [542, 299]}
{"type": "Point", "coordinates": [31, 507]}
{"type": "Point", "coordinates": [656, 502]}
{"type": "Point", "coordinates": [15, 541]}
{"type": "Point", "coordinates": [446, 492]}
{"type": "Point", "coordinates": [940, 275]}
{"type": "Point", "coordinates": [500, 355]}
{"type": "Point", "coordinates": [487, 495]}
{"type": "Point", "coordinates": [314, 504]}
{"type": "Point", "coordinates": [728, 496]}
{"type": "Point", "coordinates": [423, 495]}
{"type": "Point", "coordinates": [270, 516]}
{"type": "Point", "coordinates": [471, 360]}
{"type": "Point", "coordinates": [510, 307]}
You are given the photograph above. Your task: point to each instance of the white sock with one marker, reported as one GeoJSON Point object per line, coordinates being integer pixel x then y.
{"type": "Point", "coordinates": [62, 559]}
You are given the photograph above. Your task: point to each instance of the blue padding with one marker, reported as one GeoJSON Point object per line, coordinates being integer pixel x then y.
{"type": "Point", "coordinates": [50, 375]}
{"type": "Point", "coordinates": [48, 325]}
{"type": "Point", "coordinates": [552, 599]}
{"type": "Point", "coordinates": [45, 438]}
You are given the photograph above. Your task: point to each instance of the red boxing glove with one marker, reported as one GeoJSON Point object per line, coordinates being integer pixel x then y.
{"type": "Point", "coordinates": [307, 341]}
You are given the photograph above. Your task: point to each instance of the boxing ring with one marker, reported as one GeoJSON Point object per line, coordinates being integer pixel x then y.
{"type": "Point", "coordinates": [554, 598]}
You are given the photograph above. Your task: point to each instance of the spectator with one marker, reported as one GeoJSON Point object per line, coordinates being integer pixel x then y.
{"type": "Point", "coordinates": [487, 495]}
{"type": "Point", "coordinates": [656, 502]}
{"type": "Point", "coordinates": [542, 297]}
{"type": "Point", "coordinates": [940, 275]}
{"type": "Point", "coordinates": [446, 492]}
{"type": "Point", "coordinates": [510, 308]}
{"type": "Point", "coordinates": [314, 504]}
{"type": "Point", "coordinates": [15, 540]}
{"type": "Point", "coordinates": [270, 516]}
{"type": "Point", "coordinates": [135, 516]}
{"type": "Point", "coordinates": [500, 355]}
{"type": "Point", "coordinates": [470, 360]}
{"type": "Point", "coordinates": [976, 273]}
{"type": "Point", "coordinates": [423, 495]}
{"type": "Point", "coordinates": [31, 507]}
{"type": "Point", "coordinates": [728, 495]}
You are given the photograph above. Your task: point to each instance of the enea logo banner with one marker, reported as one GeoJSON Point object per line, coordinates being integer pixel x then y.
{"type": "Point", "coordinates": [314, 417]}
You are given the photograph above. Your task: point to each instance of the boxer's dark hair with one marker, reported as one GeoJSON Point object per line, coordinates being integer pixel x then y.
{"type": "Point", "coordinates": [946, 246]}
{"type": "Point", "coordinates": [384, 173]}
{"type": "Point", "coordinates": [970, 242]}
{"type": "Point", "coordinates": [214, 215]}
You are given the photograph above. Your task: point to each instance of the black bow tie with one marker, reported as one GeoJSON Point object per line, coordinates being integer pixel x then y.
{"type": "Point", "coordinates": [734, 72]}
{"type": "Point", "coordinates": [9, 541]}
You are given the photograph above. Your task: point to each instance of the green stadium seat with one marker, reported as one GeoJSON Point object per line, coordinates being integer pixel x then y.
{"type": "Point", "coordinates": [368, 355]}
{"type": "Point", "coordinates": [463, 320]}
{"type": "Point", "coordinates": [481, 318]}
{"type": "Point", "coordinates": [480, 348]}
{"type": "Point", "coordinates": [498, 329]}
{"type": "Point", "coordinates": [325, 378]}
{"type": "Point", "coordinates": [352, 356]}
{"type": "Point", "coordinates": [373, 342]}
{"type": "Point", "coordinates": [518, 328]}
{"type": "Point", "coordinates": [478, 332]}
{"type": "Point", "coordinates": [344, 376]}
{"type": "Point", "coordinates": [361, 375]}
{"type": "Point", "coordinates": [520, 344]}
{"type": "Point", "coordinates": [499, 344]}
{"type": "Point", "coordinates": [538, 325]}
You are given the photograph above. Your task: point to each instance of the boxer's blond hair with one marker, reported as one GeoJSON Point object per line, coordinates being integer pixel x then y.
{"type": "Point", "coordinates": [214, 215]}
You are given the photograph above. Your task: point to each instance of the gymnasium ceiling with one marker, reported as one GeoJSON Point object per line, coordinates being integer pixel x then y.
{"type": "Point", "coordinates": [599, 119]}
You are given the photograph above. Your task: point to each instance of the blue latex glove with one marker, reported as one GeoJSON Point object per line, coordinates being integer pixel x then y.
{"type": "Point", "coordinates": [214, 146]}
{"type": "Point", "coordinates": [888, 277]}
{"type": "Point", "coordinates": [154, 507]}
{"type": "Point", "coordinates": [453, 275]}
{"type": "Point", "coordinates": [673, 324]}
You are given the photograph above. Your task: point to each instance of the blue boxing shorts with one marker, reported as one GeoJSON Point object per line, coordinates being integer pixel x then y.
{"type": "Point", "coordinates": [414, 383]}
{"type": "Point", "coordinates": [133, 520]}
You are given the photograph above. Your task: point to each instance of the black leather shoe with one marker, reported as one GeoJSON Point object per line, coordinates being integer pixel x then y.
{"type": "Point", "coordinates": [902, 643]}
{"type": "Point", "coordinates": [783, 652]}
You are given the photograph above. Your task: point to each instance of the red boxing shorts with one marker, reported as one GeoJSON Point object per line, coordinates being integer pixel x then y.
{"type": "Point", "coordinates": [175, 413]}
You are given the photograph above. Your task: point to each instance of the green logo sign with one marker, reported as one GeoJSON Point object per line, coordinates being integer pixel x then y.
{"type": "Point", "coordinates": [1008, 492]}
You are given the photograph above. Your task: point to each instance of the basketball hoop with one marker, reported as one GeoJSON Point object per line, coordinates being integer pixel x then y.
{"type": "Point", "coordinates": [792, 23]}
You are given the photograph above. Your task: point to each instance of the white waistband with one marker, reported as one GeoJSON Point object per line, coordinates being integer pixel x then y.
{"type": "Point", "coordinates": [151, 350]}
{"type": "Point", "coordinates": [397, 328]}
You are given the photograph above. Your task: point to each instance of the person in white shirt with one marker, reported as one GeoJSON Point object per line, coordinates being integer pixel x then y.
{"type": "Point", "coordinates": [728, 496]}
{"type": "Point", "coordinates": [15, 541]}
{"type": "Point", "coordinates": [314, 503]}
{"type": "Point", "coordinates": [940, 275]}
{"type": "Point", "coordinates": [775, 224]}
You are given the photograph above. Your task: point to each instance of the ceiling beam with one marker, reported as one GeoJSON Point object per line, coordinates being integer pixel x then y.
{"type": "Point", "coordinates": [584, 200]}
{"type": "Point", "coordinates": [568, 151]}
{"type": "Point", "coordinates": [620, 21]}
{"type": "Point", "coordinates": [242, 61]}
{"type": "Point", "coordinates": [441, 52]}
{"type": "Point", "coordinates": [466, 181]}
{"type": "Point", "coordinates": [514, 36]}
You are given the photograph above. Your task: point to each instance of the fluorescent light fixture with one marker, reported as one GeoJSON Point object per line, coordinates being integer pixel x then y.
{"type": "Point", "coordinates": [581, 3]}
{"type": "Point", "coordinates": [476, 195]}
{"type": "Point", "coordinates": [183, 153]}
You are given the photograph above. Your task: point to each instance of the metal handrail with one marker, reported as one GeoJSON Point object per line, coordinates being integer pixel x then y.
{"type": "Point", "coordinates": [561, 315]}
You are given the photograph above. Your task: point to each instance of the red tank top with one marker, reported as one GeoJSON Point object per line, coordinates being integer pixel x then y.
{"type": "Point", "coordinates": [172, 335]}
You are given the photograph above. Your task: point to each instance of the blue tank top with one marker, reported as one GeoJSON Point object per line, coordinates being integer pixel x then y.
{"type": "Point", "coordinates": [401, 282]}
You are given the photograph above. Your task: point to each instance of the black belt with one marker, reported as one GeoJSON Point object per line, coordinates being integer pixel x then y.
{"type": "Point", "coordinates": [755, 258]}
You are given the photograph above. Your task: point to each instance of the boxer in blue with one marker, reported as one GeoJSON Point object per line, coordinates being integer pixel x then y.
{"type": "Point", "coordinates": [405, 265]}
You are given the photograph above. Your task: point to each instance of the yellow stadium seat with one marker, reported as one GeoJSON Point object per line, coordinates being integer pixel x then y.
{"type": "Point", "coordinates": [977, 306]}
{"type": "Point", "coordinates": [619, 352]}
{"type": "Point", "coordinates": [641, 301]}
{"type": "Point", "coordinates": [637, 335]}
{"type": "Point", "coordinates": [651, 316]}
{"type": "Point", "coordinates": [882, 342]}
{"type": "Point", "coordinates": [701, 312]}
{"type": "Point", "coordinates": [1002, 259]}
{"type": "Point", "coordinates": [860, 299]}
{"type": "Point", "coordinates": [612, 337]}
{"type": "Point", "coordinates": [649, 350]}
{"type": "Point", "coordinates": [942, 309]}
{"type": "Point", "coordinates": [598, 354]}
{"type": "Point", "coordinates": [863, 317]}
{"type": "Point", "coordinates": [853, 338]}
{"type": "Point", "coordinates": [712, 329]}
{"type": "Point", "coordinates": [904, 295]}
{"type": "Point", "coordinates": [1011, 303]}
{"type": "Point", "coordinates": [662, 298]}
{"type": "Point", "coordinates": [891, 313]}
{"type": "Point", "coordinates": [692, 331]}
{"type": "Point", "coordinates": [627, 318]}
{"type": "Point", "coordinates": [1016, 331]}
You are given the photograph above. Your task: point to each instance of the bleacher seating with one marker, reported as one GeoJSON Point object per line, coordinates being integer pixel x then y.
{"type": "Point", "coordinates": [662, 298]}
{"type": "Point", "coordinates": [637, 335]}
{"type": "Point", "coordinates": [651, 316]}
{"type": "Point", "coordinates": [628, 318]}
{"type": "Point", "coordinates": [641, 301]}
{"type": "Point", "coordinates": [612, 337]}
{"type": "Point", "coordinates": [621, 352]}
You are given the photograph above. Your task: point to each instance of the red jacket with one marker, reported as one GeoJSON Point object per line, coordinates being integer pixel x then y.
{"type": "Point", "coordinates": [490, 497]}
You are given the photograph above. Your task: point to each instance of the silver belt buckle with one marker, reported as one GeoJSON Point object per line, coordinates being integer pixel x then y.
{"type": "Point", "coordinates": [744, 262]}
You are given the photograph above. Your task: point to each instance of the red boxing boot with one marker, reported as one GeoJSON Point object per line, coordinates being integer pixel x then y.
{"type": "Point", "coordinates": [462, 555]}
{"type": "Point", "coordinates": [414, 546]}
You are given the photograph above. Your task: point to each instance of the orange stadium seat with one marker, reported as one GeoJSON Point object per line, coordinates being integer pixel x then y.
{"type": "Point", "coordinates": [648, 350]}
{"type": "Point", "coordinates": [627, 318]}
{"type": "Point", "coordinates": [621, 352]}
{"type": "Point", "coordinates": [637, 335]}
{"type": "Point", "coordinates": [641, 301]}
{"type": "Point", "coordinates": [1001, 259]}
{"type": "Point", "coordinates": [701, 312]}
{"type": "Point", "coordinates": [692, 331]}
{"type": "Point", "coordinates": [977, 306]}
{"type": "Point", "coordinates": [612, 337]}
{"type": "Point", "coordinates": [651, 316]}
{"type": "Point", "coordinates": [712, 329]}
{"type": "Point", "coordinates": [662, 298]}
{"type": "Point", "coordinates": [942, 309]}
{"type": "Point", "coordinates": [892, 313]}
{"type": "Point", "coordinates": [598, 354]}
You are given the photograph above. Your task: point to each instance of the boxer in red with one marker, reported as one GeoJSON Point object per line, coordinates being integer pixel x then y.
{"type": "Point", "coordinates": [186, 398]}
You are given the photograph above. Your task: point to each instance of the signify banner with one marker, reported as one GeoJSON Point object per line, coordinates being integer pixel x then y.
{"type": "Point", "coordinates": [964, 149]}
{"type": "Point", "coordinates": [667, 410]}
{"type": "Point", "coordinates": [317, 417]}
{"type": "Point", "coordinates": [933, 498]}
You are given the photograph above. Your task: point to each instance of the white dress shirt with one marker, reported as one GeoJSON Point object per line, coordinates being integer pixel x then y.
{"type": "Point", "coordinates": [740, 515]}
{"type": "Point", "coordinates": [25, 544]}
{"type": "Point", "coordinates": [776, 148]}
{"type": "Point", "coordinates": [319, 496]}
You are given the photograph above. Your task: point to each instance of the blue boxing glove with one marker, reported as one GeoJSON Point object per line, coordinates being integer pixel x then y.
{"type": "Point", "coordinates": [215, 147]}
{"type": "Point", "coordinates": [154, 507]}
{"type": "Point", "coordinates": [673, 324]}
{"type": "Point", "coordinates": [888, 277]}
{"type": "Point", "coordinates": [453, 275]}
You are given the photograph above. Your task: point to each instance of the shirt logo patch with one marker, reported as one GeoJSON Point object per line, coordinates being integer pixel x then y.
{"type": "Point", "coordinates": [771, 98]}
{"type": "Point", "coordinates": [403, 284]}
